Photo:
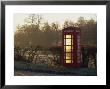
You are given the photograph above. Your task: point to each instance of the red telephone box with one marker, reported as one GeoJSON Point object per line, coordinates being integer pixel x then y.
{"type": "Point", "coordinates": [71, 47]}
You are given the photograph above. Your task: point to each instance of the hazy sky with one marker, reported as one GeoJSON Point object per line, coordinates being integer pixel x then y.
{"type": "Point", "coordinates": [53, 17]}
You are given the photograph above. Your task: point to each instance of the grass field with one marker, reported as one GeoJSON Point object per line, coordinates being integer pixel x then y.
{"type": "Point", "coordinates": [30, 69]}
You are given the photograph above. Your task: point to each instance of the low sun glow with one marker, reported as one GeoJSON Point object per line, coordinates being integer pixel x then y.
{"type": "Point", "coordinates": [68, 48]}
{"type": "Point", "coordinates": [68, 41]}
{"type": "Point", "coordinates": [68, 61]}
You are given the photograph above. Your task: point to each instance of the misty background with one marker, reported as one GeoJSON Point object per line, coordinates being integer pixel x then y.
{"type": "Point", "coordinates": [37, 30]}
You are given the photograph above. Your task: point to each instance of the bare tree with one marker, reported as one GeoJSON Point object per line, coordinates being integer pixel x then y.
{"type": "Point", "coordinates": [55, 27]}
{"type": "Point", "coordinates": [68, 23]}
{"type": "Point", "coordinates": [34, 20]}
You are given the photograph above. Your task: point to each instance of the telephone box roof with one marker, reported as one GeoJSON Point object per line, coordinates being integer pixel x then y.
{"type": "Point", "coordinates": [71, 29]}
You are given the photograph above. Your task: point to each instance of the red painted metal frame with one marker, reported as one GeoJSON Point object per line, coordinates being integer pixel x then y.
{"type": "Point", "coordinates": [74, 31]}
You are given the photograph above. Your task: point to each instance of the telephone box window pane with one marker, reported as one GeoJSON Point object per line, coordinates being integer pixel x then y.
{"type": "Point", "coordinates": [64, 48]}
{"type": "Point", "coordinates": [68, 48]}
{"type": "Point", "coordinates": [68, 36]}
{"type": "Point", "coordinates": [68, 61]}
{"type": "Point", "coordinates": [64, 41]}
{"type": "Point", "coordinates": [68, 41]}
{"type": "Point", "coordinates": [68, 55]}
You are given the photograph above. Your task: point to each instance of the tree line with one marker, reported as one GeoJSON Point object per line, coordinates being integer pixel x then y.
{"type": "Point", "coordinates": [38, 33]}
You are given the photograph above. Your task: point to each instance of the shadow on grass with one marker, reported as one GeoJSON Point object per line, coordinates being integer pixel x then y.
{"type": "Point", "coordinates": [57, 70]}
